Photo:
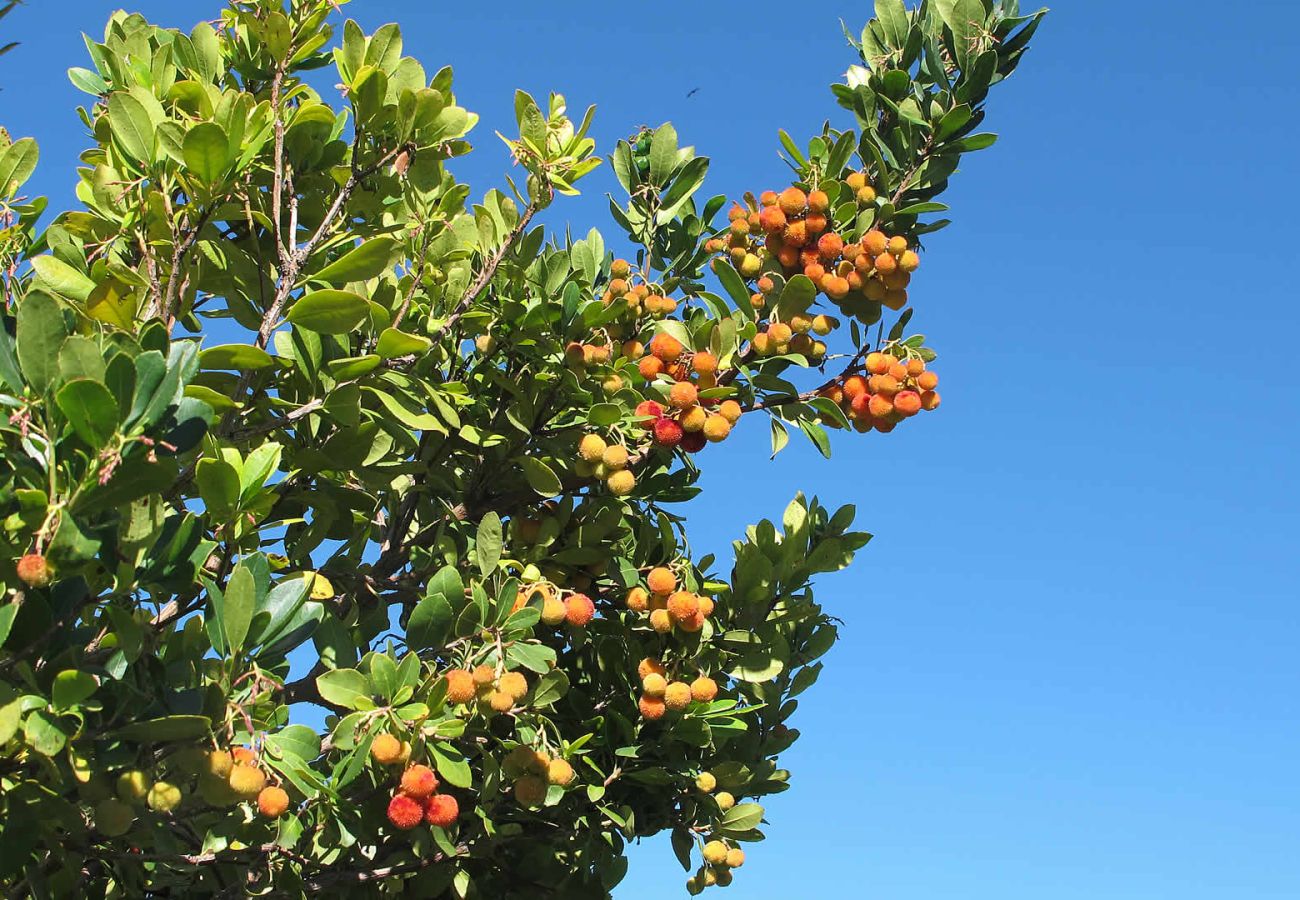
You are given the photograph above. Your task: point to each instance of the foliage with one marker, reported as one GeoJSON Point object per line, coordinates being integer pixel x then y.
{"type": "Point", "coordinates": [422, 471]}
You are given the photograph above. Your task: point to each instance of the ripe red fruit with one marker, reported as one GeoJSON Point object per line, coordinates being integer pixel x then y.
{"type": "Point", "coordinates": [441, 810]}
{"type": "Point", "coordinates": [419, 782]}
{"type": "Point", "coordinates": [579, 610]}
{"type": "Point", "coordinates": [649, 408]}
{"type": "Point", "coordinates": [668, 433]}
{"type": "Point", "coordinates": [405, 812]}
{"type": "Point", "coordinates": [34, 571]}
{"type": "Point", "coordinates": [694, 442]}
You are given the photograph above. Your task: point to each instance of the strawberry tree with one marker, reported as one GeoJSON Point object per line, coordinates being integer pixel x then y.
{"type": "Point", "coordinates": [344, 507]}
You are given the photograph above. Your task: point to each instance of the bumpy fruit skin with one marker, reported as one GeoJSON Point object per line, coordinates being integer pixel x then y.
{"type": "Point", "coordinates": [693, 419]}
{"type": "Point", "coordinates": [620, 268]}
{"type": "Point", "coordinates": [930, 401]}
{"type": "Point", "coordinates": [683, 605]}
{"type": "Point", "coordinates": [419, 781]}
{"type": "Point", "coordinates": [34, 571]}
{"type": "Point", "coordinates": [246, 781]}
{"type": "Point", "coordinates": [716, 428]}
{"type": "Point", "coordinates": [927, 381]}
{"type": "Point", "coordinates": [706, 782]}
{"type": "Point", "coordinates": [715, 853]}
{"type": "Point", "coordinates": [386, 749]}
{"type": "Point", "coordinates": [735, 858]}
{"type": "Point", "coordinates": [793, 201]}
{"type": "Point", "coordinates": [244, 755]}
{"type": "Point", "coordinates": [553, 611]}
{"type": "Point", "coordinates": [907, 403]}
{"type": "Point", "coordinates": [661, 621]}
{"type": "Point", "coordinates": [132, 786]}
{"type": "Point", "coordinates": [405, 812]}
{"type": "Point", "coordinates": [218, 763]}
{"type": "Point", "coordinates": [661, 580]}
{"type": "Point", "coordinates": [724, 800]}
{"type": "Point", "coordinates": [460, 686]}
{"type": "Point", "coordinates": [652, 708]}
{"type": "Point", "coordinates": [591, 447]}
{"type": "Point", "coordinates": [677, 696]}
{"type": "Point", "coordinates": [638, 599]}
{"type": "Point", "coordinates": [164, 797]}
{"type": "Point", "coordinates": [694, 442]}
{"type": "Point", "coordinates": [560, 772]}
{"type": "Point", "coordinates": [704, 689]}
{"type": "Point", "coordinates": [654, 685]}
{"type": "Point", "coordinates": [483, 676]}
{"type": "Point", "coordinates": [579, 610]}
{"type": "Point", "coordinates": [648, 666]}
{"type": "Point", "coordinates": [667, 433]}
{"type": "Point", "coordinates": [880, 406]}
{"type": "Point", "coordinates": [621, 483]}
{"type": "Point", "coordinates": [666, 347]}
{"type": "Point", "coordinates": [650, 367]}
{"type": "Point", "coordinates": [683, 395]}
{"type": "Point", "coordinates": [730, 410]}
{"type": "Point", "coordinates": [515, 684]}
{"type": "Point", "coordinates": [614, 457]}
{"type": "Point", "coordinates": [500, 701]}
{"type": "Point", "coordinates": [113, 817]}
{"type": "Point", "coordinates": [530, 790]}
{"type": "Point", "coordinates": [272, 802]}
{"type": "Point", "coordinates": [441, 810]}
{"type": "Point", "coordinates": [706, 606]}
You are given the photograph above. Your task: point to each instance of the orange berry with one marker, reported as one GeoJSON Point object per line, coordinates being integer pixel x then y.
{"type": "Point", "coordinates": [884, 384]}
{"type": "Point", "coordinates": [460, 686]}
{"type": "Point", "coordinates": [661, 621]}
{"type": "Point", "coordinates": [441, 810]}
{"type": "Point", "coordinates": [272, 802]}
{"type": "Point", "coordinates": [716, 428]}
{"type": "Point", "coordinates": [661, 580]}
{"type": "Point", "coordinates": [34, 570]}
{"type": "Point", "coordinates": [909, 261]}
{"type": "Point", "coordinates": [705, 363]}
{"type": "Point", "coordinates": [898, 370]}
{"type": "Point", "coordinates": [875, 291]}
{"type": "Point", "coordinates": [898, 245]}
{"type": "Point", "coordinates": [405, 812]}
{"type": "Point", "coordinates": [819, 202]}
{"type": "Point", "coordinates": [683, 605]}
{"type": "Point", "coordinates": [927, 381]}
{"type": "Point", "coordinates": [483, 676]}
{"type": "Point", "coordinates": [683, 395]}
{"type": "Point", "coordinates": [885, 264]}
{"type": "Point", "coordinates": [638, 599]}
{"type": "Point", "coordinates": [579, 610]}
{"type": "Point", "coordinates": [907, 403]}
{"type": "Point", "coordinates": [772, 219]}
{"type": "Point", "coordinates": [693, 419]}
{"type": "Point", "coordinates": [768, 198]}
{"type": "Point", "coordinates": [814, 272]}
{"type": "Point", "coordinates": [730, 410]}
{"type": "Point", "coordinates": [654, 685]}
{"type": "Point", "coordinates": [706, 606]}
{"type": "Point", "coordinates": [385, 749]}
{"type": "Point", "coordinates": [795, 235]}
{"type": "Point", "coordinates": [419, 782]}
{"type": "Point", "coordinates": [816, 223]}
{"type": "Point", "coordinates": [854, 386]}
{"type": "Point", "coordinates": [650, 367]}
{"type": "Point", "coordinates": [500, 701]}
{"type": "Point", "coordinates": [915, 366]}
{"type": "Point", "coordinates": [793, 201]}
{"type": "Point", "coordinates": [649, 666]}
{"type": "Point", "coordinates": [895, 298]}
{"type": "Point", "coordinates": [875, 243]}
{"type": "Point", "coordinates": [830, 246]}
{"type": "Point", "coordinates": [515, 684]}
{"type": "Point", "coordinates": [666, 347]}
{"type": "Point", "coordinates": [620, 268]}
{"type": "Point", "coordinates": [692, 624]}
{"type": "Point", "coordinates": [856, 180]}
{"type": "Point", "coordinates": [704, 689]}
{"type": "Point", "coordinates": [879, 406]}
{"type": "Point", "coordinates": [879, 363]}
{"type": "Point", "coordinates": [930, 401]}
{"type": "Point", "coordinates": [677, 696]}
{"type": "Point", "coordinates": [652, 708]}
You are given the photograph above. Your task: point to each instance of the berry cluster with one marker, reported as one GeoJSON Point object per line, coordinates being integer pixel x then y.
{"type": "Point", "coordinates": [416, 799]}
{"type": "Point", "coordinates": [668, 607]}
{"type": "Point", "coordinates": [493, 692]}
{"type": "Point", "coordinates": [795, 336]}
{"type": "Point", "coordinates": [534, 773]}
{"type": "Point", "coordinates": [890, 390]}
{"type": "Point", "coordinates": [577, 609]}
{"type": "Point", "coordinates": [719, 859]}
{"type": "Point", "coordinates": [637, 297]}
{"type": "Point", "coordinates": [660, 696]}
{"type": "Point", "coordinates": [686, 418]}
{"type": "Point", "coordinates": [605, 461]}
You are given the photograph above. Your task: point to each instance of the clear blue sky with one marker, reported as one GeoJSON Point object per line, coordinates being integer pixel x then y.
{"type": "Point", "coordinates": [1069, 666]}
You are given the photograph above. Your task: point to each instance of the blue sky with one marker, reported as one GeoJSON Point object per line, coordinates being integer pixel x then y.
{"type": "Point", "coordinates": [1068, 667]}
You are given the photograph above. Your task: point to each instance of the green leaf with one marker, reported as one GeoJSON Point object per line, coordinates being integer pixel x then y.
{"type": "Point", "coordinates": [602, 414]}
{"type": "Point", "coordinates": [298, 741]}
{"type": "Point", "coordinates": [218, 484]}
{"type": "Point", "coordinates": [166, 729]}
{"type": "Point", "coordinates": [244, 357]}
{"type": "Point", "coordinates": [133, 130]}
{"type": "Point", "coordinates": [973, 142]}
{"type": "Point", "coordinates": [91, 411]}
{"type": "Point", "coordinates": [7, 614]}
{"type": "Point", "coordinates": [360, 263]}
{"type": "Point", "coordinates": [61, 278]}
{"type": "Point", "coordinates": [487, 545]}
{"type": "Point", "coordinates": [237, 608]}
{"type": "Point", "coordinates": [71, 687]}
{"type": "Point", "coordinates": [41, 331]}
{"type": "Point", "coordinates": [429, 624]}
{"type": "Point", "coordinates": [451, 765]}
{"type": "Point", "coordinates": [206, 149]}
{"type": "Point", "coordinates": [893, 16]}
{"type": "Point", "coordinates": [732, 283]}
{"type": "Point", "coordinates": [17, 163]}
{"type": "Point", "coordinates": [344, 687]}
{"type": "Point", "coordinates": [329, 312]}
{"type": "Point", "coordinates": [742, 817]}
{"type": "Point", "coordinates": [551, 687]}
{"type": "Point", "coordinates": [393, 343]}
{"type": "Point", "coordinates": [686, 183]}
{"type": "Point", "coordinates": [663, 153]}
{"type": "Point", "coordinates": [43, 733]}
{"type": "Point", "coordinates": [541, 477]}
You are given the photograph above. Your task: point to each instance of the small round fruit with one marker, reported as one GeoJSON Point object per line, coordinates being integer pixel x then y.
{"type": "Point", "coordinates": [724, 800]}
{"type": "Point", "coordinates": [704, 689]}
{"type": "Point", "coordinates": [648, 666]}
{"type": "Point", "coordinates": [661, 621]}
{"type": "Point", "coordinates": [591, 447]}
{"type": "Point", "coordinates": [927, 381]}
{"type": "Point", "coordinates": [907, 403]}
{"type": "Point", "coordinates": [638, 599]}
{"type": "Point", "coordinates": [578, 610]}
{"type": "Point", "coordinates": [730, 410]}
{"type": "Point", "coordinates": [272, 802]}
{"type": "Point", "coordinates": [818, 202]}
{"type": "Point", "coordinates": [386, 749]}
{"type": "Point", "coordinates": [560, 772]}
{"type": "Point", "coordinates": [706, 782]}
{"type": "Point", "coordinates": [553, 611]}
{"type": "Point", "coordinates": [515, 684]}
{"type": "Point", "coordinates": [419, 782]}
{"type": "Point", "coordinates": [716, 428]}
{"type": "Point", "coordinates": [441, 810]}
{"type": "Point", "coordinates": [405, 812]}
{"type": "Point", "coordinates": [132, 786]}
{"type": "Point", "coordinates": [793, 201]}
{"type": "Point", "coordinates": [652, 708]}
{"type": "Point", "coordinates": [683, 395]}
{"type": "Point", "coordinates": [34, 570]}
{"type": "Point", "coordinates": [677, 696]}
{"type": "Point", "coordinates": [650, 367]}
{"type": "Point", "coordinates": [621, 483]}
{"type": "Point", "coordinates": [735, 858]}
{"type": "Point", "coordinates": [875, 243]}
{"type": "Point", "coordinates": [898, 245]}
{"type": "Point", "coordinates": [460, 686]}
{"type": "Point", "coordinates": [693, 419]}
{"type": "Point", "coordinates": [683, 605]}
{"type": "Point", "coordinates": [164, 797]}
{"type": "Point", "coordinates": [666, 347]}
{"type": "Point", "coordinates": [113, 817]}
{"type": "Point", "coordinates": [218, 764]}
{"type": "Point", "coordinates": [822, 325]}
{"type": "Point", "coordinates": [530, 790]}
{"type": "Point", "coordinates": [620, 268]}
{"type": "Point", "coordinates": [661, 580]}
{"type": "Point", "coordinates": [499, 702]}
{"type": "Point", "coordinates": [484, 677]}
{"type": "Point", "coordinates": [909, 261]}
{"type": "Point", "coordinates": [667, 432]}
{"type": "Point", "coordinates": [614, 457]}
{"type": "Point", "coordinates": [715, 853]}
{"type": "Point", "coordinates": [654, 685]}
